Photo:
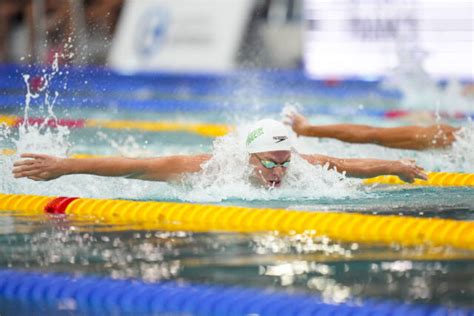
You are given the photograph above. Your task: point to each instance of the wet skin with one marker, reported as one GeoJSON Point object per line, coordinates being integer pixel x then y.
{"type": "Point", "coordinates": [269, 178]}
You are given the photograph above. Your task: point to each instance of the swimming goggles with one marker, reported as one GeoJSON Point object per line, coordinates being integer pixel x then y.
{"type": "Point", "coordinates": [271, 164]}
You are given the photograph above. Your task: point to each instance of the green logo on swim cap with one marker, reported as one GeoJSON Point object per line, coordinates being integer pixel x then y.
{"type": "Point", "coordinates": [253, 135]}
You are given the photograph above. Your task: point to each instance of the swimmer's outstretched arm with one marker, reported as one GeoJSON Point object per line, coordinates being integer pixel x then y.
{"type": "Point", "coordinates": [405, 137]}
{"type": "Point", "coordinates": [406, 169]}
{"type": "Point", "coordinates": [44, 167]}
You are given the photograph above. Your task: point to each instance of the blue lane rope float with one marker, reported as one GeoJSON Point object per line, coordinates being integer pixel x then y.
{"type": "Point", "coordinates": [106, 295]}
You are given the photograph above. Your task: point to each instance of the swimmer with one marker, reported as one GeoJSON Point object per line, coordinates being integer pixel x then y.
{"type": "Point", "coordinates": [404, 137]}
{"type": "Point", "coordinates": [268, 145]}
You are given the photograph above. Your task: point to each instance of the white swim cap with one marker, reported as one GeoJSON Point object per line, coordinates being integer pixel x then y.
{"type": "Point", "coordinates": [268, 135]}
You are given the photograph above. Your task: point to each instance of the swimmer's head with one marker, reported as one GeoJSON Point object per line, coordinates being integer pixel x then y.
{"type": "Point", "coordinates": [268, 135]}
{"type": "Point", "coordinates": [269, 146]}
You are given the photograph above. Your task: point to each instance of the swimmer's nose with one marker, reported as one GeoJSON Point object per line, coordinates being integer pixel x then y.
{"type": "Point", "coordinates": [279, 171]}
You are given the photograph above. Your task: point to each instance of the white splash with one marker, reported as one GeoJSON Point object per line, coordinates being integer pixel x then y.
{"type": "Point", "coordinates": [5, 131]}
{"type": "Point", "coordinates": [226, 176]}
{"type": "Point", "coordinates": [458, 158]}
{"type": "Point", "coordinates": [41, 138]}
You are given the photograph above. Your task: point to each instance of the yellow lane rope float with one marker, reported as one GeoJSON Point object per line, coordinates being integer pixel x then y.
{"type": "Point", "coordinates": [208, 130]}
{"type": "Point", "coordinates": [444, 179]}
{"type": "Point", "coordinates": [202, 129]}
{"type": "Point", "coordinates": [402, 230]}
{"type": "Point", "coordinates": [8, 120]}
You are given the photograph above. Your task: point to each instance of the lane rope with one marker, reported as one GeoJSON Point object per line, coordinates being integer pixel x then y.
{"type": "Point", "coordinates": [441, 179]}
{"type": "Point", "coordinates": [404, 230]}
{"type": "Point", "coordinates": [202, 129]}
{"type": "Point", "coordinates": [103, 295]}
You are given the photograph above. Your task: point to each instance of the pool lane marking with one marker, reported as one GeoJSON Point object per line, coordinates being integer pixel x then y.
{"type": "Point", "coordinates": [364, 228]}
{"type": "Point", "coordinates": [97, 295]}
{"type": "Point", "coordinates": [202, 129]}
{"type": "Point", "coordinates": [9, 120]}
{"type": "Point", "coordinates": [442, 179]}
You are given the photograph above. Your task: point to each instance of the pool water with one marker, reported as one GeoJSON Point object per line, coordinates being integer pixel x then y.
{"type": "Point", "coordinates": [336, 271]}
{"type": "Point", "coordinates": [330, 269]}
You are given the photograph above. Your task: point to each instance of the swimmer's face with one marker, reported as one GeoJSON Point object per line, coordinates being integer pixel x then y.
{"type": "Point", "coordinates": [270, 177]}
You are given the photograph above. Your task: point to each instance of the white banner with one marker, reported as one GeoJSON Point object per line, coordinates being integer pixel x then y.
{"type": "Point", "coordinates": [179, 35]}
{"type": "Point", "coordinates": [371, 37]}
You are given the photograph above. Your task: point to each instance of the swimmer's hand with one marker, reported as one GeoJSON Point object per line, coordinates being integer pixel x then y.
{"type": "Point", "coordinates": [39, 167]}
{"type": "Point", "coordinates": [408, 171]}
{"type": "Point", "coordinates": [435, 136]}
{"type": "Point", "coordinates": [296, 121]}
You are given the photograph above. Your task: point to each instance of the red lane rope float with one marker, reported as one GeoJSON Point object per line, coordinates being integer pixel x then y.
{"type": "Point", "coordinates": [52, 122]}
{"type": "Point", "coordinates": [404, 230]}
{"type": "Point", "coordinates": [58, 205]}
{"type": "Point", "coordinates": [14, 121]}
{"type": "Point", "coordinates": [400, 113]}
{"type": "Point", "coordinates": [394, 114]}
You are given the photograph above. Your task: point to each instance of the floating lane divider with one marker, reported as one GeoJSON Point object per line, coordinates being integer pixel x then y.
{"type": "Point", "coordinates": [103, 295]}
{"type": "Point", "coordinates": [207, 130]}
{"type": "Point", "coordinates": [202, 129]}
{"type": "Point", "coordinates": [404, 230]}
{"type": "Point", "coordinates": [442, 179]}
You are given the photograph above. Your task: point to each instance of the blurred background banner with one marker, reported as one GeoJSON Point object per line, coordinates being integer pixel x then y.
{"type": "Point", "coordinates": [372, 37]}
{"type": "Point", "coordinates": [179, 36]}
{"type": "Point", "coordinates": [328, 38]}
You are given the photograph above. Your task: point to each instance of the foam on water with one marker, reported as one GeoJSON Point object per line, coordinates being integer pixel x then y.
{"type": "Point", "coordinates": [458, 158]}
{"type": "Point", "coordinates": [226, 176]}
